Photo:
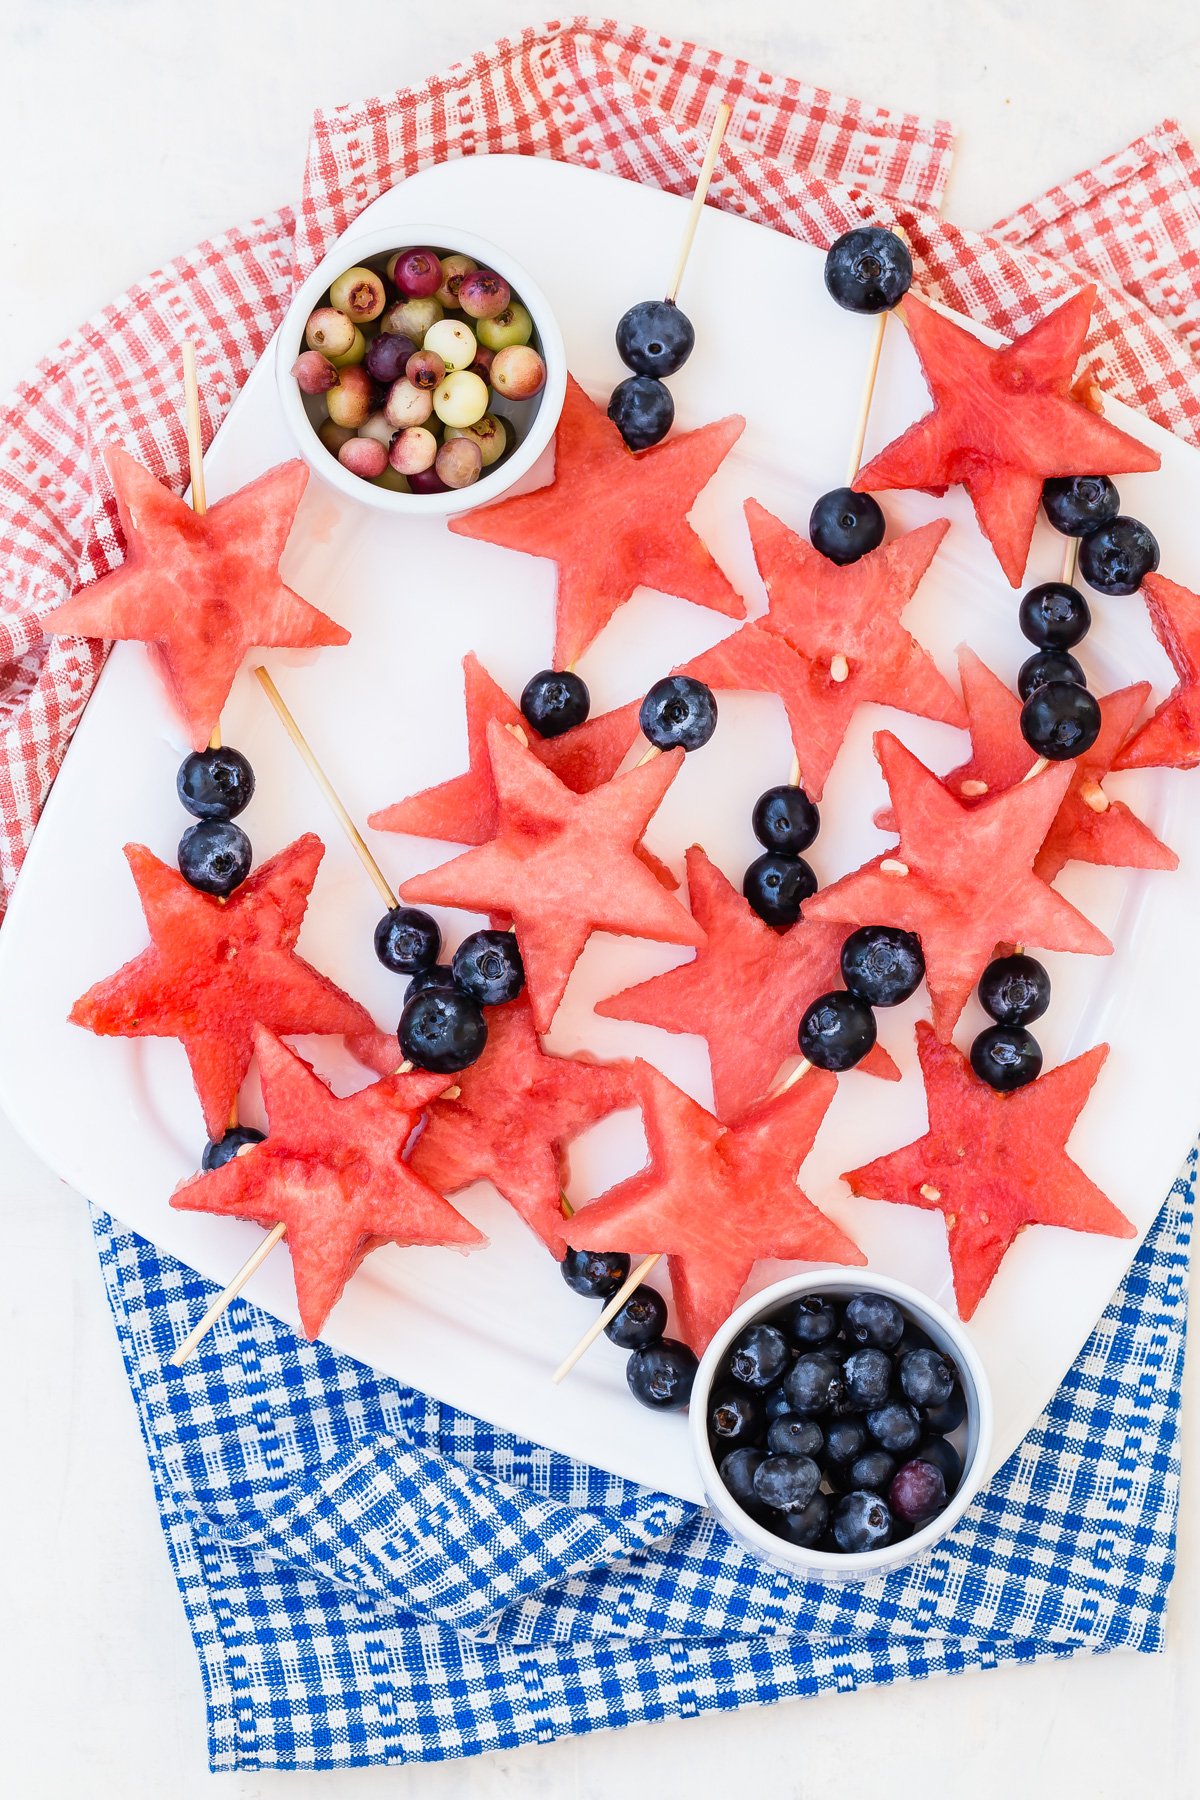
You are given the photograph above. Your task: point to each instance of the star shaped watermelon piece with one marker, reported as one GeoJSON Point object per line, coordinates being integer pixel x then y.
{"type": "Point", "coordinates": [199, 589]}
{"type": "Point", "coordinates": [614, 521]}
{"type": "Point", "coordinates": [962, 878]}
{"type": "Point", "coordinates": [716, 1199]}
{"type": "Point", "coordinates": [993, 1163]}
{"type": "Point", "coordinates": [1089, 826]}
{"type": "Point", "coordinates": [516, 1111]}
{"type": "Point", "coordinates": [831, 639]}
{"type": "Point", "coordinates": [1170, 739]}
{"type": "Point", "coordinates": [333, 1172]}
{"type": "Point", "coordinates": [562, 865]}
{"type": "Point", "coordinates": [744, 991]}
{"type": "Point", "coordinates": [1003, 421]}
{"type": "Point", "coordinates": [214, 971]}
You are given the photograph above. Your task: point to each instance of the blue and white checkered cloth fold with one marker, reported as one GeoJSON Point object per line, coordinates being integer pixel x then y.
{"type": "Point", "coordinates": [372, 1577]}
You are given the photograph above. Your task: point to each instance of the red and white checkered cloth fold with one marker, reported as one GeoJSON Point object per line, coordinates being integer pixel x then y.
{"type": "Point", "coordinates": [608, 97]}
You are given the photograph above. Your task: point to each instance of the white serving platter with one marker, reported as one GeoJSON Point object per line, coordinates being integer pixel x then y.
{"type": "Point", "coordinates": [118, 1120]}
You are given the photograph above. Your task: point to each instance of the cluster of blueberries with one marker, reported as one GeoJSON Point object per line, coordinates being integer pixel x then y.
{"type": "Point", "coordinates": [660, 1370]}
{"type": "Point", "coordinates": [831, 1423]}
{"type": "Point", "coordinates": [654, 338]}
{"type": "Point", "coordinates": [442, 1024]}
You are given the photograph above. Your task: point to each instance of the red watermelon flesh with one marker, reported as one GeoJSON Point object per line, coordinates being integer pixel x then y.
{"type": "Point", "coordinates": [214, 971]}
{"type": "Point", "coordinates": [817, 612]}
{"type": "Point", "coordinates": [516, 1112]}
{"type": "Point", "coordinates": [1171, 738]}
{"type": "Point", "coordinates": [744, 992]}
{"type": "Point", "coordinates": [561, 866]}
{"type": "Point", "coordinates": [716, 1199]}
{"type": "Point", "coordinates": [614, 522]}
{"type": "Point", "coordinates": [962, 878]}
{"type": "Point", "coordinates": [1002, 422]}
{"type": "Point", "coordinates": [332, 1171]}
{"type": "Point", "coordinates": [199, 589]}
{"type": "Point", "coordinates": [993, 1163]}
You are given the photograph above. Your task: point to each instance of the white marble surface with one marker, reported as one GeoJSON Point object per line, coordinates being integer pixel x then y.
{"type": "Point", "coordinates": [114, 158]}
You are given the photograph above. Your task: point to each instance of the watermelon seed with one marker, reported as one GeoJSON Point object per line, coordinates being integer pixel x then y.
{"type": "Point", "coordinates": [839, 668]}
{"type": "Point", "coordinates": [972, 790]}
{"type": "Point", "coordinates": [891, 865]}
{"type": "Point", "coordinates": [928, 1192]}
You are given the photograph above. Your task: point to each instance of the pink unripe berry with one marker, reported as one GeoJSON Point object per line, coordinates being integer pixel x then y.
{"type": "Point", "coordinates": [363, 456]}
{"type": "Point", "coordinates": [314, 373]}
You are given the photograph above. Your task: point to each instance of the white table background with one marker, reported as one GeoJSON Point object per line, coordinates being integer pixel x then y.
{"type": "Point", "coordinates": [130, 129]}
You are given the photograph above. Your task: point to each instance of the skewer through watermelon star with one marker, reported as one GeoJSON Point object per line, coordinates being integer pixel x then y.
{"type": "Point", "coordinates": [614, 521]}
{"type": "Point", "coordinates": [744, 991]}
{"type": "Point", "coordinates": [962, 877]}
{"type": "Point", "coordinates": [562, 865]}
{"type": "Point", "coordinates": [199, 589]}
{"type": "Point", "coordinates": [215, 970]}
{"type": "Point", "coordinates": [831, 639]}
{"type": "Point", "coordinates": [716, 1199]}
{"type": "Point", "coordinates": [1170, 739]}
{"type": "Point", "coordinates": [333, 1172]}
{"type": "Point", "coordinates": [993, 1163]}
{"type": "Point", "coordinates": [1003, 421]}
{"type": "Point", "coordinates": [516, 1112]}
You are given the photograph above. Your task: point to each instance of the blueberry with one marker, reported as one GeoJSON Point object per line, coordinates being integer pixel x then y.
{"type": "Point", "coordinates": [640, 1321]}
{"type": "Point", "coordinates": [759, 1356]}
{"type": "Point", "coordinates": [918, 1492]}
{"type": "Point", "coordinates": [895, 1426]}
{"type": "Point", "coordinates": [793, 1436]}
{"type": "Point", "coordinates": [678, 713]}
{"type": "Point", "coordinates": [927, 1377]}
{"type": "Point", "coordinates": [941, 1420]}
{"type": "Point", "coordinates": [642, 411]}
{"type": "Point", "coordinates": [874, 1319]}
{"type": "Point", "coordinates": [1014, 990]}
{"type": "Point", "coordinates": [655, 338]}
{"type": "Point", "coordinates": [661, 1375]}
{"type": "Point", "coordinates": [868, 1375]}
{"type": "Point", "coordinates": [777, 887]}
{"type": "Point", "coordinates": [554, 701]}
{"type": "Point", "coordinates": [814, 1383]}
{"type": "Point", "coordinates": [786, 1483]}
{"type": "Point", "coordinates": [810, 1320]}
{"type": "Point", "coordinates": [737, 1472]}
{"type": "Point", "coordinates": [735, 1417]}
{"type": "Point", "coordinates": [777, 1403]}
{"type": "Point", "coordinates": [407, 940]}
{"type": "Point", "coordinates": [786, 820]}
{"type": "Point", "coordinates": [215, 856]}
{"type": "Point", "coordinates": [1116, 556]}
{"type": "Point", "coordinates": [861, 1522]}
{"type": "Point", "coordinates": [806, 1526]}
{"type": "Point", "coordinates": [488, 966]}
{"type": "Point", "coordinates": [438, 978]}
{"type": "Point", "coordinates": [945, 1457]}
{"type": "Point", "coordinates": [1007, 1057]}
{"type": "Point", "coordinates": [1076, 504]}
{"type": "Point", "coordinates": [1048, 665]}
{"type": "Point", "coordinates": [837, 1031]}
{"type": "Point", "coordinates": [1061, 720]}
{"type": "Point", "coordinates": [844, 525]}
{"type": "Point", "coordinates": [845, 1438]}
{"type": "Point", "coordinates": [442, 1032]}
{"type": "Point", "coordinates": [873, 1470]}
{"type": "Point", "coordinates": [868, 270]}
{"type": "Point", "coordinates": [219, 1151]}
{"type": "Point", "coordinates": [1054, 616]}
{"type": "Point", "coordinates": [882, 964]}
{"type": "Point", "coordinates": [596, 1274]}
{"type": "Point", "coordinates": [215, 784]}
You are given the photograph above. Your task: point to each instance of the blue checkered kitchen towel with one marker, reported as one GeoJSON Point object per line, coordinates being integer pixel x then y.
{"type": "Point", "coordinates": [373, 1577]}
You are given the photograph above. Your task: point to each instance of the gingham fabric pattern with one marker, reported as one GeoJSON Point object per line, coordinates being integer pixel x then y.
{"type": "Point", "coordinates": [369, 1576]}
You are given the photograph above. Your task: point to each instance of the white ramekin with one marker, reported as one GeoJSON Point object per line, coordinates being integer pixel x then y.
{"type": "Point", "coordinates": [946, 1333]}
{"type": "Point", "coordinates": [538, 416]}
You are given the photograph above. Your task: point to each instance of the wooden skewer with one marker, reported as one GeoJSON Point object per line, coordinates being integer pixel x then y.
{"type": "Point", "coordinates": [1043, 762]}
{"type": "Point", "coordinates": [868, 392]}
{"type": "Point", "coordinates": [227, 1295]}
{"type": "Point", "coordinates": [720, 123]}
{"type": "Point", "coordinates": [195, 444]}
{"type": "Point", "coordinates": [1070, 561]}
{"type": "Point", "coordinates": [647, 756]}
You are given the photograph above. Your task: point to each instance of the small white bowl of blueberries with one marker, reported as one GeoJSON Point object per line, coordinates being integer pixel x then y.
{"type": "Point", "coordinates": [424, 377]}
{"type": "Point", "coordinates": [842, 1424]}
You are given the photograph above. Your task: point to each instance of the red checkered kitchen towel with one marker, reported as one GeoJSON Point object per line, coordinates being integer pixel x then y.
{"type": "Point", "coordinates": [608, 97]}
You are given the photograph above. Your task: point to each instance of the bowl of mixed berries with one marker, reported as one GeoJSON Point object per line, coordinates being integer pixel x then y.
{"type": "Point", "coordinates": [425, 377]}
{"type": "Point", "coordinates": [842, 1423]}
